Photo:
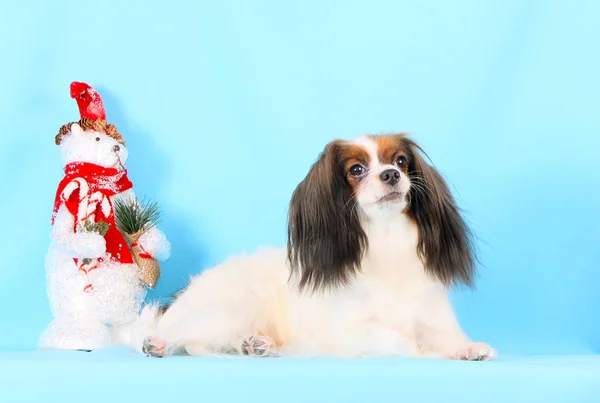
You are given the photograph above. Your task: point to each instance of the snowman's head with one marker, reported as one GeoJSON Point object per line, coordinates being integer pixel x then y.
{"type": "Point", "coordinates": [91, 139]}
{"type": "Point", "coordinates": [95, 143]}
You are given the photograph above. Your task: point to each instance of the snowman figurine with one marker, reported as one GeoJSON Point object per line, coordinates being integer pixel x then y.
{"type": "Point", "coordinates": [93, 282]}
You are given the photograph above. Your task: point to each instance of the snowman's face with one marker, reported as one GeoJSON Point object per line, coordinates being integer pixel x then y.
{"type": "Point", "coordinates": [92, 147]}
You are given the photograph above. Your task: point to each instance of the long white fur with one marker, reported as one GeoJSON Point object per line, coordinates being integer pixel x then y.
{"type": "Point", "coordinates": [391, 308]}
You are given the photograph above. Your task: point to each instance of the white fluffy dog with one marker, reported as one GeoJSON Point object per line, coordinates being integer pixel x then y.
{"type": "Point", "coordinates": [375, 240]}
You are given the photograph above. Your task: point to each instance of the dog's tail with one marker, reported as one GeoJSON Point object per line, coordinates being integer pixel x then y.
{"type": "Point", "coordinates": [133, 334]}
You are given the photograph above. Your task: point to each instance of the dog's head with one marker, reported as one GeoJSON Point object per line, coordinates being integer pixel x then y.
{"type": "Point", "coordinates": [369, 179]}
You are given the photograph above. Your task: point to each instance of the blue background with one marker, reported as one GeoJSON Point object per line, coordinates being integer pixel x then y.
{"type": "Point", "coordinates": [225, 104]}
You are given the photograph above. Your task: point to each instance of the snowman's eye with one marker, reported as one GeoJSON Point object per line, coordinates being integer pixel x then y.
{"type": "Point", "coordinates": [97, 138]}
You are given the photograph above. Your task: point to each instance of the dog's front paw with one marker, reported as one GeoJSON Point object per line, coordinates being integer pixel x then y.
{"type": "Point", "coordinates": [257, 346]}
{"type": "Point", "coordinates": [474, 352]}
{"type": "Point", "coordinates": [154, 347]}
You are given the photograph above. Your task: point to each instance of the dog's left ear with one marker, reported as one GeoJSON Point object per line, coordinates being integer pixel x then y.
{"type": "Point", "coordinates": [445, 241]}
{"type": "Point", "coordinates": [325, 239]}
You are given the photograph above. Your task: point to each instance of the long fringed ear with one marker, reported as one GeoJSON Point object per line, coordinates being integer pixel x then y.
{"type": "Point", "coordinates": [445, 241]}
{"type": "Point", "coordinates": [325, 239]}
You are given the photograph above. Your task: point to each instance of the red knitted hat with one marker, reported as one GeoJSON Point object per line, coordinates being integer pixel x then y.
{"type": "Point", "coordinates": [89, 101]}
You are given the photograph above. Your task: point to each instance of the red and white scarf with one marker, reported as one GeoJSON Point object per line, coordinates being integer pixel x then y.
{"type": "Point", "coordinates": [86, 190]}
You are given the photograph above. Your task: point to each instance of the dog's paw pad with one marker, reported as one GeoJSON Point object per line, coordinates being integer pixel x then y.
{"type": "Point", "coordinates": [257, 346]}
{"type": "Point", "coordinates": [474, 352]}
{"type": "Point", "coordinates": [154, 347]}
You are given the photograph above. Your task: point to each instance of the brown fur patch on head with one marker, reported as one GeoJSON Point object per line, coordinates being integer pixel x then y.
{"type": "Point", "coordinates": [349, 155]}
{"type": "Point", "coordinates": [390, 147]}
{"type": "Point", "coordinates": [99, 125]}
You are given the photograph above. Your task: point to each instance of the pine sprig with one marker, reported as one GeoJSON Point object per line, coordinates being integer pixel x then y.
{"type": "Point", "coordinates": [132, 216]}
{"type": "Point", "coordinates": [101, 227]}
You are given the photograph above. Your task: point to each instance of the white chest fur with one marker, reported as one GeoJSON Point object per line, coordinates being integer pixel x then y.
{"type": "Point", "coordinates": [378, 312]}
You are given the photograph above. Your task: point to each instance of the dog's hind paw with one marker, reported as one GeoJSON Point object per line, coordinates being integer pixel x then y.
{"type": "Point", "coordinates": [474, 352]}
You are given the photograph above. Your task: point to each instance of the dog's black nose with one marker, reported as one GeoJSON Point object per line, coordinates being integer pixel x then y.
{"type": "Point", "coordinates": [116, 147]}
{"type": "Point", "coordinates": [390, 176]}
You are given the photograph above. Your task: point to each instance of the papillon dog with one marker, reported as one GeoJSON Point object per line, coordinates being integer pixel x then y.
{"type": "Point", "coordinates": [375, 243]}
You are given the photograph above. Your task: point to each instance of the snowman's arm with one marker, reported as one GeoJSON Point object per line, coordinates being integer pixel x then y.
{"type": "Point", "coordinates": [76, 244]}
{"type": "Point", "coordinates": [154, 241]}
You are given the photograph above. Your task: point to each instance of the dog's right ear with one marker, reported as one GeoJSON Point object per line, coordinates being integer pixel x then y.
{"type": "Point", "coordinates": [325, 237]}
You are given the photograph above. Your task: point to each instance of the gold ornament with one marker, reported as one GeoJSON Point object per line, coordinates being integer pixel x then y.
{"type": "Point", "coordinates": [133, 219]}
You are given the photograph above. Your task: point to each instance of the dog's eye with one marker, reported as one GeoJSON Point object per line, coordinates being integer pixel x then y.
{"type": "Point", "coordinates": [401, 162]}
{"type": "Point", "coordinates": [357, 170]}
{"type": "Point", "coordinates": [97, 138]}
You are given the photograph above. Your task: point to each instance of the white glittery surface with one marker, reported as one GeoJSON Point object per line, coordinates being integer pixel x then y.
{"type": "Point", "coordinates": [81, 146]}
{"type": "Point", "coordinates": [81, 319]}
{"type": "Point", "coordinates": [155, 243]}
{"type": "Point", "coordinates": [80, 245]}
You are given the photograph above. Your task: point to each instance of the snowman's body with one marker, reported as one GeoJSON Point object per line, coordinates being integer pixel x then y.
{"type": "Point", "coordinates": [92, 280]}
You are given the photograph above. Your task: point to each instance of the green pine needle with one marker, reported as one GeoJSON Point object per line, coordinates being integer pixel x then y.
{"type": "Point", "coordinates": [101, 227]}
{"type": "Point", "coordinates": [132, 216]}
